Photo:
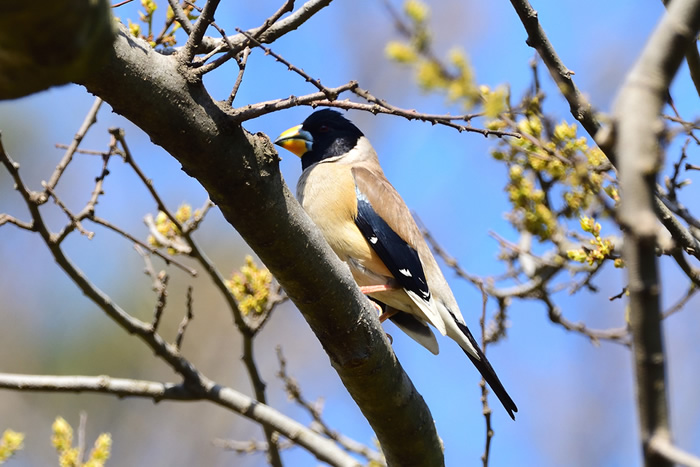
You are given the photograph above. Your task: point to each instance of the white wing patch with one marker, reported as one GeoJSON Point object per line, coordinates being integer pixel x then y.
{"type": "Point", "coordinates": [373, 240]}
{"type": "Point", "coordinates": [405, 272]}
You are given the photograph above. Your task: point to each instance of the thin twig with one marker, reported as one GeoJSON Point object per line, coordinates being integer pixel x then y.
{"type": "Point", "coordinates": [324, 449]}
{"type": "Point", "coordinates": [196, 385]}
{"type": "Point", "coordinates": [682, 302]}
{"type": "Point", "coordinates": [8, 219]}
{"type": "Point", "coordinates": [315, 409]}
{"type": "Point", "coordinates": [161, 300]}
{"type": "Point", "coordinates": [81, 436]}
{"type": "Point", "coordinates": [275, 31]}
{"type": "Point", "coordinates": [376, 105]}
{"type": "Point", "coordinates": [239, 79]}
{"type": "Point", "coordinates": [189, 314]}
{"type": "Point", "coordinates": [157, 282]}
{"type": "Point", "coordinates": [89, 121]}
{"type": "Point", "coordinates": [249, 447]}
{"type": "Point", "coordinates": [74, 220]}
{"type": "Point", "coordinates": [247, 332]}
{"type": "Point", "coordinates": [482, 383]}
{"type": "Point", "coordinates": [203, 69]}
{"type": "Point", "coordinates": [154, 251]}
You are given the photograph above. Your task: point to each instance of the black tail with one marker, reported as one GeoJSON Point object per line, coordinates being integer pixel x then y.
{"type": "Point", "coordinates": [488, 373]}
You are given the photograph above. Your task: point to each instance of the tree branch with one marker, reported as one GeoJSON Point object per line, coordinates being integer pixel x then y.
{"type": "Point", "coordinates": [638, 133]}
{"type": "Point", "coordinates": [235, 167]}
{"type": "Point", "coordinates": [580, 108]}
{"type": "Point", "coordinates": [324, 449]}
{"type": "Point", "coordinates": [272, 33]}
{"type": "Point", "coordinates": [671, 453]}
{"type": "Point", "coordinates": [194, 380]}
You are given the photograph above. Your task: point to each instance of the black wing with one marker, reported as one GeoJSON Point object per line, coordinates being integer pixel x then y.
{"type": "Point", "coordinates": [399, 257]}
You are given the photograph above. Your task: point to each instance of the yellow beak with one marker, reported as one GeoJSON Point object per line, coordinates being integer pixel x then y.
{"type": "Point", "coordinates": [295, 140]}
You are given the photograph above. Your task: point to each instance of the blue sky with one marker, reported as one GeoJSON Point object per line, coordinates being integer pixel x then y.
{"type": "Point", "coordinates": [575, 399]}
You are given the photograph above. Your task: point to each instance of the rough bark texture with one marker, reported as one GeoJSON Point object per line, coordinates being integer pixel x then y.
{"type": "Point", "coordinates": [639, 129]}
{"type": "Point", "coordinates": [47, 43]}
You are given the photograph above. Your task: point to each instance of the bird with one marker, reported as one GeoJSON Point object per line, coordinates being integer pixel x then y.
{"type": "Point", "coordinates": [365, 221]}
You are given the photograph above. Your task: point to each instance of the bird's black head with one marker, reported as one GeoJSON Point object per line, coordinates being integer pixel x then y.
{"type": "Point", "coordinates": [324, 134]}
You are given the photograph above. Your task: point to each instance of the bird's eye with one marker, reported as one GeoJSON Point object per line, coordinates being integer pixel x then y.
{"type": "Point", "coordinates": [323, 128]}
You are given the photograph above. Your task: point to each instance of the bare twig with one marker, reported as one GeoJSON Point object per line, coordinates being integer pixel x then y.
{"type": "Point", "coordinates": [90, 119]}
{"type": "Point", "coordinates": [154, 251]}
{"type": "Point", "coordinates": [482, 383]}
{"type": "Point", "coordinates": [149, 269]}
{"type": "Point", "coordinates": [663, 446]}
{"type": "Point", "coordinates": [616, 335]}
{"type": "Point", "coordinates": [239, 79]}
{"type": "Point", "coordinates": [74, 220]}
{"type": "Point", "coordinates": [185, 320]}
{"type": "Point", "coordinates": [198, 386]}
{"type": "Point", "coordinates": [251, 111]}
{"type": "Point", "coordinates": [162, 289]}
{"type": "Point", "coordinates": [81, 436]}
{"type": "Point", "coordinates": [682, 302]}
{"type": "Point", "coordinates": [8, 219]}
{"type": "Point", "coordinates": [376, 105]}
{"type": "Point", "coordinates": [314, 409]}
{"type": "Point", "coordinates": [278, 29]}
{"type": "Point", "coordinates": [232, 51]}
{"type": "Point", "coordinates": [323, 449]}
{"type": "Point", "coordinates": [194, 250]}
{"type": "Point", "coordinates": [248, 447]}
{"type": "Point", "coordinates": [690, 271]}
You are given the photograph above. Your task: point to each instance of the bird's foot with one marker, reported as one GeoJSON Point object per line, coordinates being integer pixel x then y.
{"type": "Point", "coordinates": [387, 314]}
{"type": "Point", "coordinates": [368, 289]}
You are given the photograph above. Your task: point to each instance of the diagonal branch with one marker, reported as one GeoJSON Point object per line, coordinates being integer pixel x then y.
{"type": "Point", "coordinates": [90, 119]}
{"type": "Point", "coordinates": [272, 33]}
{"type": "Point", "coordinates": [195, 381]}
{"type": "Point", "coordinates": [580, 108]}
{"type": "Point", "coordinates": [375, 105]}
{"type": "Point", "coordinates": [196, 252]}
{"type": "Point", "coordinates": [206, 17]}
{"type": "Point", "coordinates": [671, 453]}
{"type": "Point", "coordinates": [181, 116]}
{"type": "Point", "coordinates": [324, 449]}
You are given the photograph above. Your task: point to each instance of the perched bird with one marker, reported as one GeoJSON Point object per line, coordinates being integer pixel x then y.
{"type": "Point", "coordinates": [366, 222]}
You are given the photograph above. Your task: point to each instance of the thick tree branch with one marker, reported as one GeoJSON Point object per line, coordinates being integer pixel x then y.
{"type": "Point", "coordinates": [236, 167]}
{"type": "Point", "coordinates": [638, 132]}
{"type": "Point", "coordinates": [692, 58]}
{"type": "Point", "coordinates": [32, 58]}
{"type": "Point", "coordinates": [195, 381]}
